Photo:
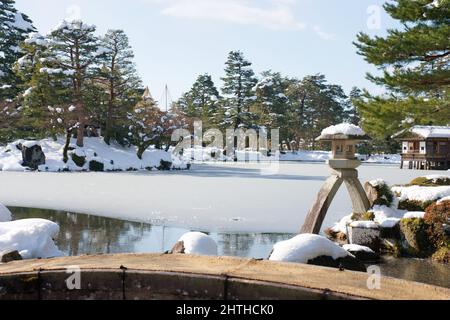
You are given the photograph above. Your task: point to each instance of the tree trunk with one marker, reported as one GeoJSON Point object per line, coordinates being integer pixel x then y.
{"type": "Point", "coordinates": [80, 129]}
{"type": "Point", "coordinates": [66, 145]}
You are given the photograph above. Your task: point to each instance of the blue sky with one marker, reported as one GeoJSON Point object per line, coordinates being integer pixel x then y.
{"type": "Point", "coordinates": [176, 40]}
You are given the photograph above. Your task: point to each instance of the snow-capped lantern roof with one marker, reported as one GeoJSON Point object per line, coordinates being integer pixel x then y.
{"type": "Point", "coordinates": [343, 131]}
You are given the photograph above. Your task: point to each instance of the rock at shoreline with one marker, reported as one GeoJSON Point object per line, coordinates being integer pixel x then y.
{"type": "Point", "coordinates": [9, 256]}
{"type": "Point", "coordinates": [346, 263]}
{"type": "Point", "coordinates": [362, 253]}
{"type": "Point", "coordinates": [415, 238]}
{"type": "Point", "coordinates": [365, 233]}
{"type": "Point", "coordinates": [32, 155]}
{"type": "Point", "coordinates": [195, 243]}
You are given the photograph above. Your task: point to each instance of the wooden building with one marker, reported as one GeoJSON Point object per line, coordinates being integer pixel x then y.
{"type": "Point", "coordinates": [425, 147]}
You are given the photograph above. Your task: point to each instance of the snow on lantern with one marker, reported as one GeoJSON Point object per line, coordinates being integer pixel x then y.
{"type": "Point", "coordinates": [343, 137]}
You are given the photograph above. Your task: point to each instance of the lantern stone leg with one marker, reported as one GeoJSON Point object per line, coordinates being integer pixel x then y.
{"type": "Point", "coordinates": [318, 211]}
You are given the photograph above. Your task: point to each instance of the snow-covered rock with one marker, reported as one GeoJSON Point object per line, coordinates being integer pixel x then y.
{"type": "Point", "coordinates": [364, 224]}
{"type": "Point", "coordinates": [361, 252]}
{"type": "Point", "coordinates": [5, 214]}
{"type": "Point", "coordinates": [196, 243]}
{"type": "Point", "coordinates": [356, 247]}
{"type": "Point", "coordinates": [305, 247]}
{"type": "Point", "coordinates": [32, 238]}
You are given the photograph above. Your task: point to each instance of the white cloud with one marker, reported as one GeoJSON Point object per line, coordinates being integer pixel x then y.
{"type": "Point", "coordinates": [323, 34]}
{"type": "Point", "coordinates": [271, 14]}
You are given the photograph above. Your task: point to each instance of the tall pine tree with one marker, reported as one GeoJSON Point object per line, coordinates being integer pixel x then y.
{"type": "Point", "coordinates": [74, 52]}
{"type": "Point", "coordinates": [121, 80]}
{"type": "Point", "coordinates": [202, 101]}
{"type": "Point", "coordinates": [239, 81]}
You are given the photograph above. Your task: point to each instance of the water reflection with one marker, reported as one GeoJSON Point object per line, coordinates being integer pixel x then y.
{"type": "Point", "coordinates": [86, 234]}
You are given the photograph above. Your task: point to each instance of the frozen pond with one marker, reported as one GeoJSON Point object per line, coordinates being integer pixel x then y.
{"type": "Point", "coordinates": [86, 234]}
{"type": "Point", "coordinates": [230, 197]}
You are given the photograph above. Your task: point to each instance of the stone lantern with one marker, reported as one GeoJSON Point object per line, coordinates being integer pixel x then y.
{"type": "Point", "coordinates": [343, 163]}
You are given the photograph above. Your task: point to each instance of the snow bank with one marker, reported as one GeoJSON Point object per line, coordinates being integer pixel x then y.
{"type": "Point", "coordinates": [341, 226]}
{"type": "Point", "coordinates": [422, 194]}
{"type": "Point", "coordinates": [414, 215]}
{"type": "Point", "coordinates": [306, 247]}
{"type": "Point", "coordinates": [198, 243]}
{"type": "Point", "coordinates": [209, 154]}
{"type": "Point", "coordinates": [114, 157]}
{"type": "Point", "coordinates": [344, 128]}
{"type": "Point", "coordinates": [31, 237]}
{"type": "Point", "coordinates": [5, 214]}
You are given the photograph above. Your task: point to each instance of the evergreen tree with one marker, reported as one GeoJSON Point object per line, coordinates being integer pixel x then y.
{"type": "Point", "coordinates": [202, 101]}
{"type": "Point", "coordinates": [315, 105]}
{"type": "Point", "coordinates": [74, 52]}
{"type": "Point", "coordinates": [239, 81]}
{"type": "Point", "coordinates": [14, 27]}
{"type": "Point", "coordinates": [353, 115]}
{"type": "Point", "coordinates": [272, 104]}
{"type": "Point", "coordinates": [121, 80]}
{"type": "Point", "coordinates": [39, 89]}
{"type": "Point", "coordinates": [414, 62]}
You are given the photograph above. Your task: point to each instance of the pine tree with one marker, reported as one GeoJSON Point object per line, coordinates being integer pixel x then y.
{"type": "Point", "coordinates": [14, 27]}
{"type": "Point", "coordinates": [271, 103]}
{"type": "Point", "coordinates": [202, 101]}
{"type": "Point", "coordinates": [414, 61]}
{"type": "Point", "coordinates": [38, 89]}
{"type": "Point", "coordinates": [120, 79]}
{"type": "Point", "coordinates": [315, 105]}
{"type": "Point", "coordinates": [74, 52]}
{"type": "Point", "coordinates": [239, 81]}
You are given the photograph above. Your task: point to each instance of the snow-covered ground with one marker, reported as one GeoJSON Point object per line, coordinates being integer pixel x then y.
{"type": "Point", "coordinates": [214, 154]}
{"type": "Point", "coordinates": [114, 157]}
{"type": "Point", "coordinates": [232, 197]}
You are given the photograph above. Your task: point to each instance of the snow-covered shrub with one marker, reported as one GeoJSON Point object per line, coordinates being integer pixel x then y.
{"type": "Point", "coordinates": [431, 181]}
{"type": "Point", "coordinates": [79, 160]}
{"type": "Point", "coordinates": [96, 166]}
{"type": "Point", "coordinates": [414, 205]}
{"type": "Point", "coordinates": [367, 216]}
{"type": "Point", "coordinates": [165, 165]}
{"type": "Point", "coordinates": [415, 236]}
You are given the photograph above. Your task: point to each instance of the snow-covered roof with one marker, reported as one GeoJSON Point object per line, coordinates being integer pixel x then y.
{"type": "Point", "coordinates": [427, 132]}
